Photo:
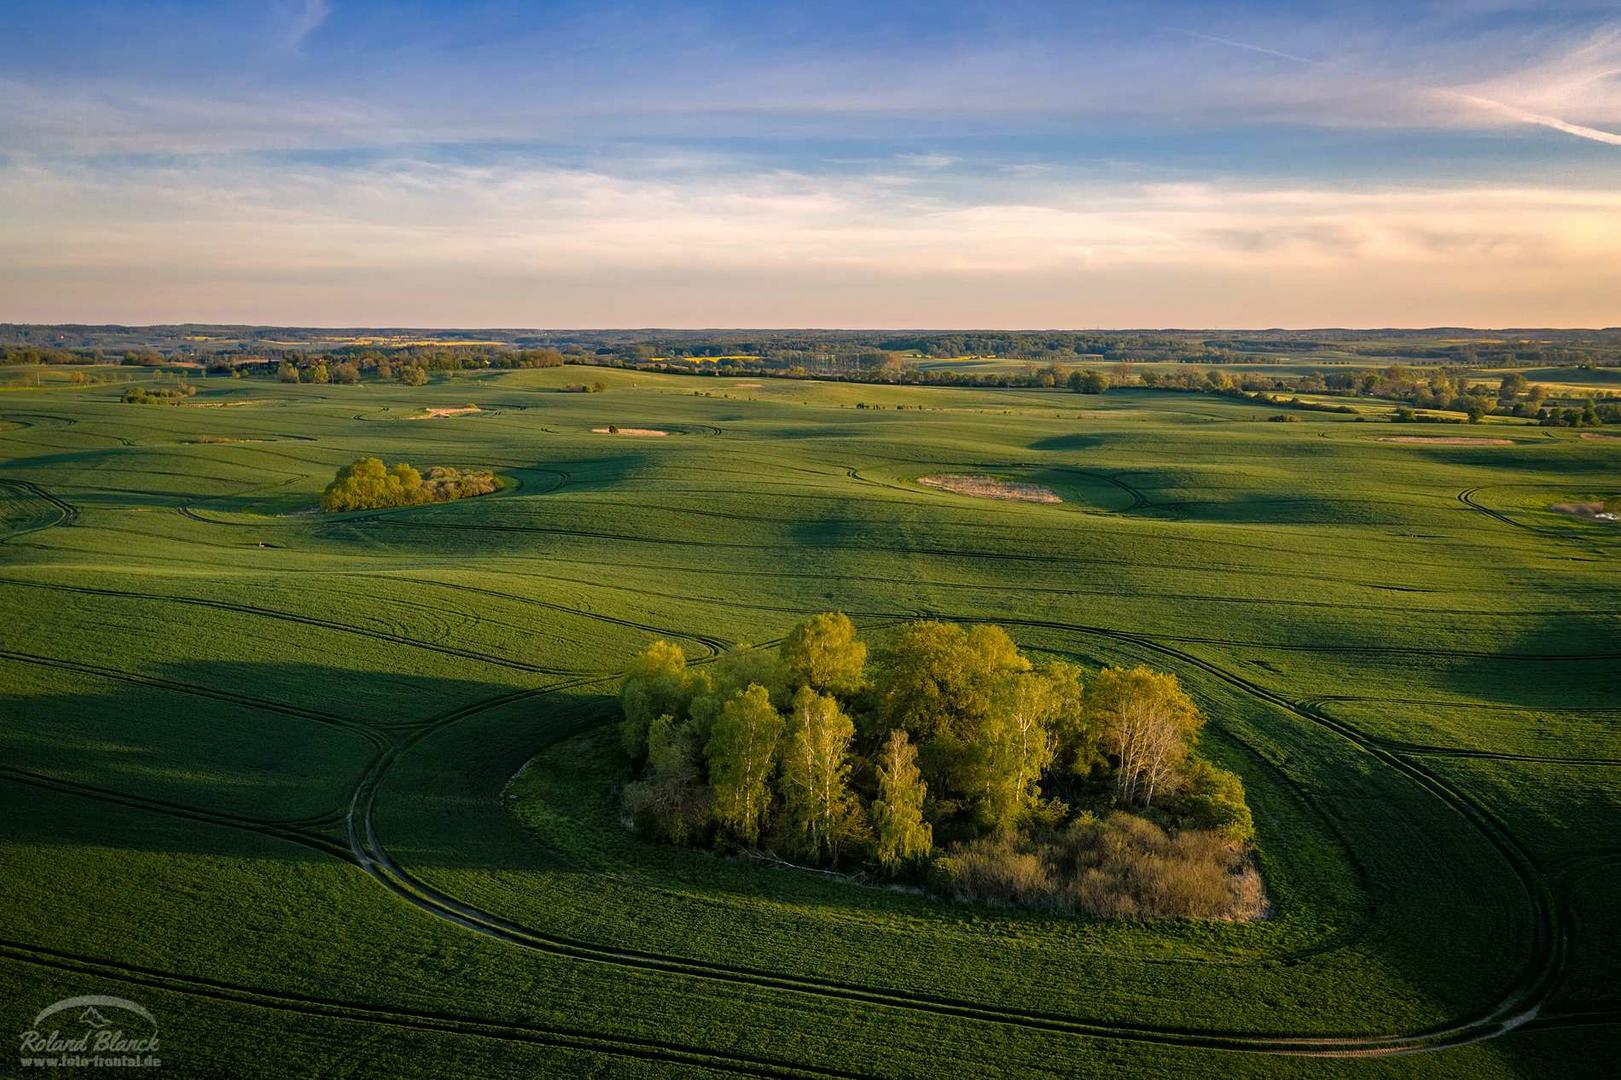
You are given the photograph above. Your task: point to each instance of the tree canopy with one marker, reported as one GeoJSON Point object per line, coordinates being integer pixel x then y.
{"type": "Point", "coordinates": [950, 735]}
{"type": "Point", "coordinates": [368, 484]}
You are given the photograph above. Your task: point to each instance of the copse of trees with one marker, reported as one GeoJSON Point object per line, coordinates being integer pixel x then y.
{"type": "Point", "coordinates": [158, 395]}
{"type": "Point", "coordinates": [946, 757]}
{"type": "Point", "coordinates": [368, 484]}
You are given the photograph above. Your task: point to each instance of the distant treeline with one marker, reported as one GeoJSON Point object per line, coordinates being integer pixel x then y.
{"type": "Point", "coordinates": [809, 350]}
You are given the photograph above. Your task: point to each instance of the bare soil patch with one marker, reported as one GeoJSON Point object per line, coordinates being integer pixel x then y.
{"type": "Point", "coordinates": [1444, 440]}
{"type": "Point", "coordinates": [747, 385]}
{"type": "Point", "coordinates": [988, 487]}
{"type": "Point", "coordinates": [434, 414]}
{"type": "Point", "coordinates": [1600, 438]}
{"type": "Point", "coordinates": [645, 431]}
{"type": "Point", "coordinates": [1592, 511]}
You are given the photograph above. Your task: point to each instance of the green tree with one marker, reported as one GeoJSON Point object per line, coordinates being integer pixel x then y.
{"type": "Point", "coordinates": [1077, 740]}
{"type": "Point", "coordinates": [1149, 724]}
{"type": "Point", "coordinates": [741, 752]}
{"type": "Point", "coordinates": [937, 682]}
{"type": "Point", "coordinates": [672, 803]}
{"type": "Point", "coordinates": [815, 774]}
{"type": "Point", "coordinates": [1088, 382]}
{"type": "Point", "coordinates": [655, 683]}
{"type": "Point", "coordinates": [287, 372]}
{"type": "Point", "coordinates": [1512, 386]}
{"type": "Point", "coordinates": [822, 652]}
{"type": "Point", "coordinates": [1215, 801]}
{"type": "Point", "coordinates": [999, 772]}
{"type": "Point", "coordinates": [897, 813]}
{"type": "Point", "coordinates": [413, 375]}
{"type": "Point", "coordinates": [367, 484]}
{"type": "Point", "coordinates": [319, 373]}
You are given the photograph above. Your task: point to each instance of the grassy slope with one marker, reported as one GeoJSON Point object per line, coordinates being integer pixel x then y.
{"type": "Point", "coordinates": [197, 674]}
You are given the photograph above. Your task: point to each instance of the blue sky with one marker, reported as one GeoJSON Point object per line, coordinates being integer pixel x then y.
{"type": "Point", "coordinates": [1009, 164]}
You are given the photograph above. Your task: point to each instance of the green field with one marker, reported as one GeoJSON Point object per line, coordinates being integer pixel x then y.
{"type": "Point", "coordinates": [335, 792]}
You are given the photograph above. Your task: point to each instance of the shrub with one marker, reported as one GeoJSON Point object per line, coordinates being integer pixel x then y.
{"type": "Point", "coordinates": [1000, 869]}
{"type": "Point", "coordinates": [1128, 867]}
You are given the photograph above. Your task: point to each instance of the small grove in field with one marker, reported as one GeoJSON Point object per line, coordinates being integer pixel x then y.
{"type": "Point", "coordinates": [951, 760]}
{"type": "Point", "coordinates": [158, 395]}
{"type": "Point", "coordinates": [368, 484]}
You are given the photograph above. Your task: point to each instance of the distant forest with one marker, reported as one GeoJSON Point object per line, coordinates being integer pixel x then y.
{"type": "Point", "coordinates": [1433, 369]}
{"type": "Point", "coordinates": [827, 349]}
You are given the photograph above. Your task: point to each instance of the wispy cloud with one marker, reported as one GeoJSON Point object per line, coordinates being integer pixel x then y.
{"type": "Point", "coordinates": [486, 241]}
{"type": "Point", "coordinates": [306, 19]}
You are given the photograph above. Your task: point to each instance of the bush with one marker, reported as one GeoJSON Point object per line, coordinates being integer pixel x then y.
{"type": "Point", "coordinates": [998, 869]}
{"type": "Point", "coordinates": [1214, 800]}
{"type": "Point", "coordinates": [1122, 866]}
{"type": "Point", "coordinates": [1128, 867]}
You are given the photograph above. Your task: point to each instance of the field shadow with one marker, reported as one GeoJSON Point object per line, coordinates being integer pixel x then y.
{"type": "Point", "coordinates": [224, 738]}
{"type": "Point", "coordinates": [1068, 442]}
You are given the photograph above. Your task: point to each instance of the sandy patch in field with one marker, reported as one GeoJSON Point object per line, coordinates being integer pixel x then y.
{"type": "Point", "coordinates": [434, 414]}
{"type": "Point", "coordinates": [746, 385]}
{"type": "Point", "coordinates": [1600, 438]}
{"type": "Point", "coordinates": [629, 431]}
{"type": "Point", "coordinates": [1444, 440]}
{"type": "Point", "coordinates": [1592, 511]}
{"type": "Point", "coordinates": [988, 487]}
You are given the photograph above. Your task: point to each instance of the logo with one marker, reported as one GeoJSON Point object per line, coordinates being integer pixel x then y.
{"type": "Point", "coordinates": [90, 1031]}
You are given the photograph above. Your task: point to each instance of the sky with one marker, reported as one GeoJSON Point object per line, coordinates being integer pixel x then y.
{"type": "Point", "coordinates": [924, 165]}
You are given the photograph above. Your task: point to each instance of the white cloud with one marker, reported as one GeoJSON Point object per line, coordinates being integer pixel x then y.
{"type": "Point", "coordinates": [414, 242]}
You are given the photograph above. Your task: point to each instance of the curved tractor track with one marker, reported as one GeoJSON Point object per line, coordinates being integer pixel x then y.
{"type": "Point", "coordinates": [413, 1019]}
{"type": "Point", "coordinates": [364, 848]}
{"type": "Point", "coordinates": [1519, 1005]}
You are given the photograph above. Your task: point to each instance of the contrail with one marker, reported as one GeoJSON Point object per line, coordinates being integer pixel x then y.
{"type": "Point", "coordinates": [1524, 116]}
{"type": "Point", "coordinates": [1581, 131]}
{"type": "Point", "coordinates": [1230, 43]}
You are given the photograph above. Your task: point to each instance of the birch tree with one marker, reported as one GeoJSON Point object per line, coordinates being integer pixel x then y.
{"type": "Point", "coordinates": [816, 773]}
{"type": "Point", "coordinates": [897, 813]}
{"type": "Point", "coordinates": [741, 751]}
{"type": "Point", "coordinates": [1149, 724]}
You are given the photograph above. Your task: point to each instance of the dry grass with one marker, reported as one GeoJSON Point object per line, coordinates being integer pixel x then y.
{"type": "Point", "coordinates": [1593, 511]}
{"type": "Point", "coordinates": [434, 414]}
{"type": "Point", "coordinates": [1599, 438]}
{"type": "Point", "coordinates": [1444, 440]}
{"type": "Point", "coordinates": [628, 431]}
{"type": "Point", "coordinates": [1122, 866]}
{"type": "Point", "coordinates": [988, 487]}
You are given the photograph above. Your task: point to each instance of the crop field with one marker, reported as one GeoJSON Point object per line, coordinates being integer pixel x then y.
{"type": "Point", "coordinates": [335, 792]}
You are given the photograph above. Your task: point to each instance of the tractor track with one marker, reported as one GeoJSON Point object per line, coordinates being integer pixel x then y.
{"type": "Point", "coordinates": [304, 620]}
{"type": "Point", "coordinates": [1519, 1004]}
{"type": "Point", "coordinates": [66, 513]}
{"type": "Point", "coordinates": [1518, 1007]}
{"type": "Point", "coordinates": [414, 1019]}
{"type": "Point", "coordinates": [356, 727]}
{"type": "Point", "coordinates": [788, 552]}
{"type": "Point", "coordinates": [290, 831]}
{"type": "Point", "coordinates": [1467, 497]}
